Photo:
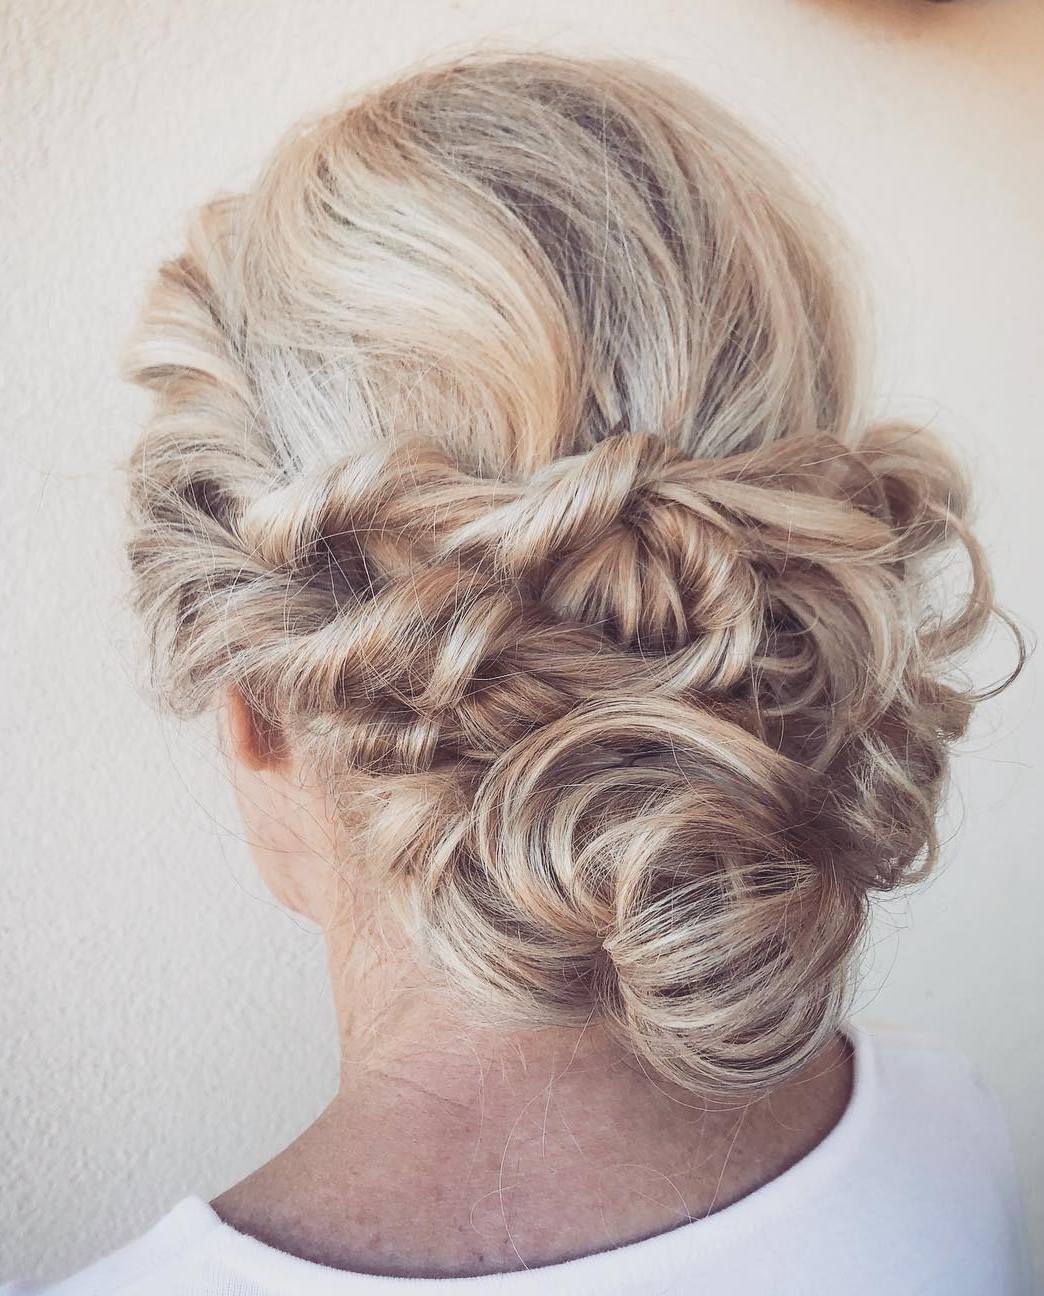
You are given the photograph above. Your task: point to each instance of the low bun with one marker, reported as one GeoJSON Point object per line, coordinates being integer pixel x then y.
{"type": "Point", "coordinates": [639, 858]}
{"type": "Point", "coordinates": [543, 506]}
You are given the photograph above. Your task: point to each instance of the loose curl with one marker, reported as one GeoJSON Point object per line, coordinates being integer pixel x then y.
{"type": "Point", "coordinates": [505, 452]}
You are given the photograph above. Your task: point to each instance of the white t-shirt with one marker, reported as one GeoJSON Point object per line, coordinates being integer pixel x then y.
{"type": "Point", "coordinates": [913, 1191]}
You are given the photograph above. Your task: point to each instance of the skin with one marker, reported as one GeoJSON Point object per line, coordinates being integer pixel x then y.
{"type": "Point", "coordinates": [454, 1150]}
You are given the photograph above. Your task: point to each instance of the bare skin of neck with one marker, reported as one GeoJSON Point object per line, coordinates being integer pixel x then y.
{"type": "Point", "coordinates": [452, 1149]}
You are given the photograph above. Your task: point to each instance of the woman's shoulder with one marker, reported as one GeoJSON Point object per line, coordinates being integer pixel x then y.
{"type": "Point", "coordinates": [920, 1073]}
{"type": "Point", "coordinates": [163, 1261]}
{"type": "Point", "coordinates": [939, 1120]}
{"type": "Point", "coordinates": [922, 1084]}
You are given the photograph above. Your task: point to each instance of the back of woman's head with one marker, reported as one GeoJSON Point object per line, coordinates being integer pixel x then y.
{"type": "Point", "coordinates": [505, 457]}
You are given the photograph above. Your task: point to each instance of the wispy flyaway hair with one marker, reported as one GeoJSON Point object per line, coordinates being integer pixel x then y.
{"type": "Point", "coordinates": [506, 455]}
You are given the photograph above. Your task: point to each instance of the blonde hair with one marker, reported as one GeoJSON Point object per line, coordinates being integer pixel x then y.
{"type": "Point", "coordinates": [505, 450]}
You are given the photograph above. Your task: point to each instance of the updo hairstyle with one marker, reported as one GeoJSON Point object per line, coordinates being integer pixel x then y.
{"type": "Point", "coordinates": [506, 454]}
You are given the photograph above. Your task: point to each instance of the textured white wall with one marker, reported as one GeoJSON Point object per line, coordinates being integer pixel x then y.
{"type": "Point", "coordinates": [163, 1028]}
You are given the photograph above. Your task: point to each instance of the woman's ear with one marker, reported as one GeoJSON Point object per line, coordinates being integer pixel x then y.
{"type": "Point", "coordinates": [282, 821]}
{"type": "Point", "coordinates": [253, 741]}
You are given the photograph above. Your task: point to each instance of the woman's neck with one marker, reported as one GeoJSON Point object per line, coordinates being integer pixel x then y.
{"type": "Point", "coordinates": [452, 1151]}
